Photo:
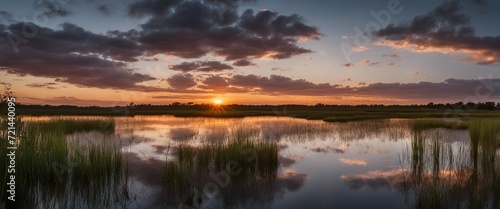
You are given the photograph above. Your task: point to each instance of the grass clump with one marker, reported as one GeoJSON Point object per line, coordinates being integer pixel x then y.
{"type": "Point", "coordinates": [52, 172]}
{"type": "Point", "coordinates": [445, 174]}
{"type": "Point", "coordinates": [246, 161]}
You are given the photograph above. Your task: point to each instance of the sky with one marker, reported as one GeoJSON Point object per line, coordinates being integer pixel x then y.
{"type": "Point", "coordinates": [113, 52]}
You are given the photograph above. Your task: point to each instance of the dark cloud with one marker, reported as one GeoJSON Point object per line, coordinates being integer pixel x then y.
{"type": "Point", "coordinates": [195, 30]}
{"type": "Point", "coordinates": [151, 7]}
{"type": "Point", "coordinates": [450, 89]}
{"type": "Point", "coordinates": [243, 62]}
{"type": "Point", "coordinates": [52, 8]}
{"type": "Point", "coordinates": [50, 85]}
{"type": "Point", "coordinates": [201, 66]}
{"type": "Point", "coordinates": [480, 2]}
{"type": "Point", "coordinates": [70, 101]}
{"type": "Point", "coordinates": [279, 84]}
{"type": "Point", "coordinates": [105, 10]}
{"type": "Point", "coordinates": [6, 17]}
{"type": "Point", "coordinates": [181, 81]}
{"type": "Point", "coordinates": [215, 83]}
{"type": "Point", "coordinates": [445, 29]}
{"type": "Point", "coordinates": [73, 55]}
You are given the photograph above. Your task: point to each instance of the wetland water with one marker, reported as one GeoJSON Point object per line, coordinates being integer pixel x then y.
{"type": "Point", "coordinates": [256, 162]}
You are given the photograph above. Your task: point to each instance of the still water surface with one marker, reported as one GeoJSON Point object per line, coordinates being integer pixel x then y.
{"type": "Point", "coordinates": [306, 164]}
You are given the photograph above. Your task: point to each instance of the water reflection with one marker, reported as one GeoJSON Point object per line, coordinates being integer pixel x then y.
{"type": "Point", "coordinates": [57, 167]}
{"type": "Point", "coordinates": [264, 162]}
{"type": "Point", "coordinates": [456, 173]}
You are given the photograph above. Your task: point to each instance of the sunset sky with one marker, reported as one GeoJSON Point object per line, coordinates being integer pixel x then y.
{"type": "Point", "coordinates": [113, 52]}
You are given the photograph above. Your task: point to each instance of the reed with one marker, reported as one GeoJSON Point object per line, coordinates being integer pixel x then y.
{"type": "Point", "coordinates": [450, 176]}
{"type": "Point", "coordinates": [255, 160]}
{"type": "Point", "coordinates": [52, 172]}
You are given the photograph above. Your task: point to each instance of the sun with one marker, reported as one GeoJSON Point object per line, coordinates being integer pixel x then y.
{"type": "Point", "coordinates": [217, 101]}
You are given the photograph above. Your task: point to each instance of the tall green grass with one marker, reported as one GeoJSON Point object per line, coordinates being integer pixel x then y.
{"type": "Point", "coordinates": [449, 175]}
{"type": "Point", "coordinates": [52, 172]}
{"type": "Point", "coordinates": [248, 161]}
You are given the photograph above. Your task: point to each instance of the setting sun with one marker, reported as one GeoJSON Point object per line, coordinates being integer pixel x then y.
{"type": "Point", "coordinates": [217, 102]}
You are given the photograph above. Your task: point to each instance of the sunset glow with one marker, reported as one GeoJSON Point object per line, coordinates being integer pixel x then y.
{"type": "Point", "coordinates": [258, 53]}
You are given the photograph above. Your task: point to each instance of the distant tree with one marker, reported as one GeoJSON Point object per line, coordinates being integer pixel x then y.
{"type": "Point", "coordinates": [489, 105]}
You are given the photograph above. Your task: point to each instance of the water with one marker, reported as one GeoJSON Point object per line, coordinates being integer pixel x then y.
{"type": "Point", "coordinates": [308, 164]}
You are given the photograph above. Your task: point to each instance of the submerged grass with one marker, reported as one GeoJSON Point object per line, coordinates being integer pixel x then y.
{"type": "Point", "coordinates": [54, 173]}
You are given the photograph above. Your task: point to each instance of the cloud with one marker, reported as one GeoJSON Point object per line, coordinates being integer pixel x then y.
{"type": "Point", "coordinates": [104, 9]}
{"type": "Point", "coordinates": [195, 30]}
{"type": "Point", "coordinates": [215, 83]}
{"type": "Point", "coordinates": [49, 85]}
{"type": "Point", "coordinates": [70, 101]}
{"type": "Point", "coordinates": [416, 73]}
{"type": "Point", "coordinates": [359, 162]}
{"type": "Point", "coordinates": [243, 62]}
{"type": "Point", "coordinates": [181, 81]}
{"type": "Point", "coordinates": [359, 48]}
{"type": "Point", "coordinates": [391, 55]}
{"type": "Point", "coordinates": [445, 30]}
{"type": "Point", "coordinates": [369, 63]}
{"type": "Point", "coordinates": [278, 84]}
{"type": "Point", "coordinates": [52, 8]}
{"type": "Point", "coordinates": [201, 66]}
{"type": "Point", "coordinates": [480, 2]}
{"type": "Point", "coordinates": [151, 7]}
{"type": "Point", "coordinates": [347, 65]}
{"type": "Point", "coordinates": [450, 89]}
{"type": "Point", "coordinates": [6, 17]}
{"type": "Point", "coordinates": [75, 56]}
{"type": "Point", "coordinates": [279, 69]}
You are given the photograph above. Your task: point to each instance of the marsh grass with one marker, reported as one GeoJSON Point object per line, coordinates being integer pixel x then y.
{"type": "Point", "coordinates": [54, 173]}
{"type": "Point", "coordinates": [424, 124]}
{"type": "Point", "coordinates": [450, 175]}
{"type": "Point", "coordinates": [247, 160]}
